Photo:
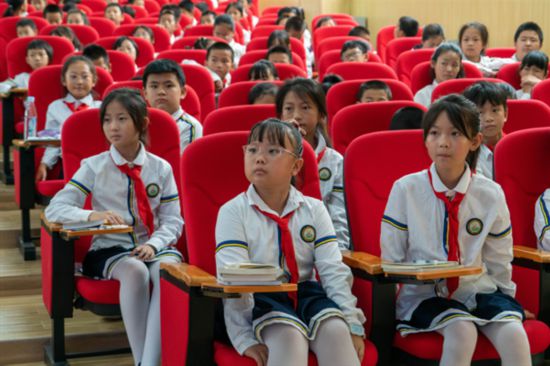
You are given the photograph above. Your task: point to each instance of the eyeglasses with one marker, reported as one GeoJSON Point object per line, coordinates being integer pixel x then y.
{"type": "Point", "coordinates": [271, 151]}
{"type": "Point", "coordinates": [352, 55]}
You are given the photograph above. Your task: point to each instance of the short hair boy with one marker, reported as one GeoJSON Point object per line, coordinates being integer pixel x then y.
{"type": "Point", "coordinates": [354, 51]}
{"type": "Point", "coordinates": [432, 36]}
{"type": "Point", "coordinates": [26, 28]}
{"type": "Point", "coordinates": [528, 37]}
{"type": "Point", "coordinates": [113, 12]}
{"type": "Point", "coordinates": [262, 93]}
{"type": "Point", "coordinates": [407, 118]}
{"type": "Point", "coordinates": [53, 14]}
{"type": "Point", "coordinates": [406, 27]}
{"type": "Point", "coordinates": [208, 17]}
{"type": "Point", "coordinates": [168, 21]}
{"type": "Point", "coordinates": [164, 88]}
{"type": "Point", "coordinates": [279, 55]}
{"type": "Point", "coordinates": [360, 31]}
{"type": "Point", "coordinates": [374, 91]}
{"type": "Point", "coordinates": [219, 61]}
{"type": "Point", "coordinates": [77, 16]}
{"type": "Point", "coordinates": [490, 100]}
{"type": "Point", "coordinates": [295, 27]}
{"type": "Point", "coordinates": [187, 9]}
{"type": "Point", "coordinates": [98, 55]}
{"type": "Point", "coordinates": [224, 28]}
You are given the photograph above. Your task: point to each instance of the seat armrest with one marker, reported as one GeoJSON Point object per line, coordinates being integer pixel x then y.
{"type": "Point", "coordinates": [191, 275]}
{"type": "Point", "coordinates": [433, 275]}
{"type": "Point", "coordinates": [51, 227]}
{"type": "Point", "coordinates": [533, 254]}
{"type": "Point", "coordinates": [362, 261]}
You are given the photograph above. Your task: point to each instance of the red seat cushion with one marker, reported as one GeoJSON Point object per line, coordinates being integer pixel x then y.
{"type": "Point", "coordinates": [49, 188]}
{"type": "Point", "coordinates": [20, 128]}
{"type": "Point", "coordinates": [98, 291]}
{"type": "Point", "coordinates": [429, 345]}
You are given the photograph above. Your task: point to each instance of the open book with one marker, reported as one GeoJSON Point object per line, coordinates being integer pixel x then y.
{"type": "Point", "coordinates": [250, 274]}
{"type": "Point", "coordinates": [88, 225]}
{"type": "Point", "coordinates": [421, 265]}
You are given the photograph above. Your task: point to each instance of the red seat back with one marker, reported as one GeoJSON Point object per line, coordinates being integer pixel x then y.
{"type": "Point", "coordinates": [237, 118]}
{"type": "Point", "coordinates": [333, 57]}
{"type": "Point", "coordinates": [333, 43]}
{"type": "Point", "coordinates": [502, 52]}
{"type": "Point", "coordinates": [152, 6]}
{"type": "Point", "coordinates": [146, 51]}
{"type": "Point", "coordinates": [260, 43]}
{"type": "Point", "coordinates": [271, 10]}
{"type": "Point", "coordinates": [384, 36]}
{"type": "Point", "coordinates": [285, 71]}
{"type": "Point", "coordinates": [320, 34]}
{"type": "Point", "coordinates": [407, 60]}
{"type": "Point", "coordinates": [84, 33]}
{"type": "Point", "coordinates": [335, 16]}
{"type": "Point", "coordinates": [343, 94]}
{"type": "Point", "coordinates": [139, 12]}
{"type": "Point", "coordinates": [421, 74]}
{"type": "Point", "coordinates": [162, 37]}
{"type": "Point", "coordinates": [250, 57]}
{"type": "Point", "coordinates": [362, 70]}
{"type": "Point", "coordinates": [237, 93]}
{"type": "Point", "coordinates": [103, 26]}
{"type": "Point", "coordinates": [201, 81]}
{"type": "Point", "coordinates": [524, 114]}
{"type": "Point", "coordinates": [209, 183]}
{"type": "Point", "coordinates": [265, 30]}
{"type": "Point", "coordinates": [541, 92]}
{"type": "Point", "coordinates": [395, 47]}
{"type": "Point", "coordinates": [267, 20]}
{"type": "Point", "coordinates": [95, 5]}
{"type": "Point", "coordinates": [346, 126]}
{"type": "Point", "coordinates": [188, 41]}
{"type": "Point", "coordinates": [457, 86]}
{"type": "Point", "coordinates": [178, 55]}
{"type": "Point", "coordinates": [199, 30]}
{"type": "Point", "coordinates": [510, 74]}
{"type": "Point", "coordinates": [16, 52]}
{"type": "Point", "coordinates": [8, 30]}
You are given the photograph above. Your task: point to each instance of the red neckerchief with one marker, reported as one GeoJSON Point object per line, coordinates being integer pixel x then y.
{"type": "Point", "coordinates": [492, 148]}
{"type": "Point", "coordinates": [71, 106]}
{"type": "Point", "coordinates": [452, 233]}
{"type": "Point", "coordinates": [287, 246]}
{"type": "Point", "coordinates": [321, 154]}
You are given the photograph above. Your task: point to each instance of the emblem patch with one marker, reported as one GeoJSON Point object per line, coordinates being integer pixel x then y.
{"type": "Point", "coordinates": [474, 226]}
{"type": "Point", "coordinates": [325, 174]}
{"type": "Point", "coordinates": [152, 190]}
{"type": "Point", "coordinates": [308, 234]}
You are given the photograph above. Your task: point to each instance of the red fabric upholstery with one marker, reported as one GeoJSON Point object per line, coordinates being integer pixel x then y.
{"type": "Point", "coordinates": [237, 93]}
{"type": "Point", "coordinates": [334, 16]}
{"type": "Point", "coordinates": [333, 57]}
{"type": "Point", "coordinates": [407, 60]}
{"type": "Point", "coordinates": [347, 126]}
{"type": "Point", "coordinates": [395, 47]}
{"type": "Point", "coordinates": [3, 61]}
{"type": "Point", "coordinates": [103, 26]}
{"type": "Point", "coordinates": [260, 43]}
{"type": "Point", "coordinates": [510, 74]}
{"type": "Point", "coordinates": [267, 20]}
{"type": "Point", "coordinates": [320, 34]}
{"type": "Point", "coordinates": [179, 55]}
{"type": "Point", "coordinates": [146, 51]}
{"type": "Point", "coordinates": [8, 30]}
{"type": "Point", "coordinates": [162, 37]}
{"type": "Point", "coordinates": [237, 118]}
{"type": "Point", "coordinates": [541, 92]}
{"type": "Point", "coordinates": [271, 10]}
{"type": "Point", "coordinates": [98, 291]}
{"type": "Point", "coordinates": [358, 70]}
{"type": "Point", "coordinates": [199, 30]}
{"type": "Point", "coordinates": [333, 43]}
{"type": "Point", "coordinates": [285, 71]}
{"type": "Point", "coordinates": [84, 33]}
{"type": "Point", "coordinates": [342, 94]}
{"type": "Point", "coordinates": [49, 188]}
{"type": "Point", "coordinates": [457, 86]}
{"type": "Point", "coordinates": [16, 52]}
{"type": "Point", "coordinates": [95, 5]}
{"type": "Point", "coordinates": [421, 74]}
{"type": "Point", "coordinates": [524, 114]}
{"type": "Point", "coordinates": [198, 78]}
{"type": "Point", "coordinates": [503, 52]}
{"type": "Point", "coordinates": [139, 12]}
{"type": "Point", "coordinates": [265, 30]}
{"type": "Point", "coordinates": [46, 263]}
{"type": "Point", "coordinates": [250, 57]}
{"type": "Point", "coordinates": [384, 35]}
{"type": "Point", "coordinates": [189, 41]}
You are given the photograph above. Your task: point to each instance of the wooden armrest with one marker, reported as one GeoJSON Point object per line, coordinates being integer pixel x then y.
{"type": "Point", "coordinates": [219, 288]}
{"type": "Point", "coordinates": [19, 91]}
{"type": "Point", "coordinates": [536, 255]}
{"type": "Point", "coordinates": [192, 276]}
{"type": "Point", "coordinates": [435, 274]}
{"type": "Point", "coordinates": [51, 227]}
{"type": "Point", "coordinates": [25, 144]}
{"type": "Point", "coordinates": [363, 261]}
{"type": "Point", "coordinates": [73, 234]}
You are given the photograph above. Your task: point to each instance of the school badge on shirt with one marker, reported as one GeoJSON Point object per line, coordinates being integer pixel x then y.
{"type": "Point", "coordinates": [153, 190]}
{"type": "Point", "coordinates": [325, 174]}
{"type": "Point", "coordinates": [474, 226]}
{"type": "Point", "coordinates": [308, 234]}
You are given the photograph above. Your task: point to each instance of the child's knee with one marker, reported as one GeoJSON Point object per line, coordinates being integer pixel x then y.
{"type": "Point", "coordinates": [335, 328]}
{"type": "Point", "coordinates": [287, 334]}
{"type": "Point", "coordinates": [135, 271]}
{"type": "Point", "coordinates": [464, 332]}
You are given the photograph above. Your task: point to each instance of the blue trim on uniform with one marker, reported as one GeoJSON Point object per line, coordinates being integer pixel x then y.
{"type": "Point", "coordinates": [546, 216]}
{"type": "Point", "coordinates": [396, 224]}
{"type": "Point", "coordinates": [501, 234]}
{"type": "Point", "coordinates": [81, 187]}
{"type": "Point", "coordinates": [232, 244]}
{"type": "Point", "coordinates": [325, 240]}
{"type": "Point", "coordinates": [337, 189]}
{"type": "Point", "coordinates": [192, 128]}
{"type": "Point", "coordinates": [445, 242]}
{"type": "Point", "coordinates": [170, 198]}
{"type": "Point", "coordinates": [129, 202]}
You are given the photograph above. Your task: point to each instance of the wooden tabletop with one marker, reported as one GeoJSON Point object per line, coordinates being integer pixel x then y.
{"type": "Point", "coordinates": [536, 255]}
{"type": "Point", "coordinates": [14, 91]}
{"type": "Point", "coordinates": [36, 143]}
{"type": "Point", "coordinates": [435, 274]}
{"type": "Point", "coordinates": [363, 261]}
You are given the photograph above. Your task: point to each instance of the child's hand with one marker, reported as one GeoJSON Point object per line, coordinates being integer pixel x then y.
{"type": "Point", "coordinates": [359, 345]}
{"type": "Point", "coordinates": [109, 217]}
{"type": "Point", "coordinates": [144, 252]}
{"type": "Point", "coordinates": [258, 353]}
{"type": "Point", "coordinates": [218, 86]}
{"type": "Point", "coordinates": [529, 315]}
{"type": "Point", "coordinates": [41, 172]}
{"type": "Point", "coordinates": [297, 125]}
{"type": "Point", "coordinates": [528, 82]}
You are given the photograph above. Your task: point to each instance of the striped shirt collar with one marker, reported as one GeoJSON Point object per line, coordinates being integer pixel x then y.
{"type": "Point", "coordinates": [178, 114]}
{"type": "Point", "coordinates": [88, 99]}
{"type": "Point", "coordinates": [294, 200]}
{"type": "Point", "coordinates": [461, 187]}
{"type": "Point", "coordinates": [119, 160]}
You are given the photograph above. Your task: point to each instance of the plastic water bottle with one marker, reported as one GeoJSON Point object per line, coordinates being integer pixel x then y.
{"type": "Point", "coordinates": [30, 118]}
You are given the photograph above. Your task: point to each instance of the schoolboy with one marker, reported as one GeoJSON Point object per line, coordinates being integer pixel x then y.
{"type": "Point", "coordinates": [98, 55]}
{"type": "Point", "coordinates": [208, 17]}
{"type": "Point", "coordinates": [26, 28]}
{"type": "Point", "coordinates": [373, 91]}
{"type": "Point", "coordinates": [360, 31]}
{"type": "Point", "coordinates": [354, 51]}
{"type": "Point", "coordinates": [187, 9]}
{"type": "Point", "coordinates": [406, 27]}
{"type": "Point", "coordinates": [219, 61]}
{"type": "Point", "coordinates": [53, 14]}
{"type": "Point", "coordinates": [168, 21]}
{"type": "Point", "coordinates": [113, 12]}
{"type": "Point", "coordinates": [279, 55]}
{"type": "Point", "coordinates": [224, 28]}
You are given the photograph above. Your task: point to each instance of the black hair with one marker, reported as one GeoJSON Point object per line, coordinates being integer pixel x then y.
{"type": "Point", "coordinates": [529, 26]}
{"type": "Point", "coordinates": [508, 90]}
{"type": "Point", "coordinates": [51, 8]}
{"type": "Point", "coordinates": [203, 43]}
{"type": "Point", "coordinates": [279, 49]}
{"type": "Point", "coordinates": [261, 70]}
{"type": "Point", "coordinates": [282, 12]}
{"type": "Point", "coordinates": [121, 40]}
{"type": "Point", "coordinates": [187, 5]}
{"type": "Point", "coordinates": [373, 84]}
{"type": "Point", "coordinates": [431, 31]}
{"type": "Point", "coordinates": [279, 35]}
{"type": "Point", "coordinates": [175, 9]}
{"type": "Point", "coordinates": [484, 91]}
{"type": "Point", "coordinates": [354, 43]}
{"type": "Point", "coordinates": [408, 25]}
{"type": "Point", "coordinates": [133, 103]}
{"type": "Point", "coordinates": [202, 6]}
{"type": "Point", "coordinates": [276, 131]}
{"type": "Point", "coordinates": [260, 90]}
{"type": "Point", "coordinates": [127, 9]}
{"type": "Point", "coordinates": [25, 22]}
{"type": "Point", "coordinates": [164, 66]}
{"type": "Point", "coordinates": [295, 23]}
{"type": "Point", "coordinates": [146, 29]}
{"type": "Point", "coordinates": [208, 12]}
{"type": "Point", "coordinates": [462, 114]}
{"type": "Point", "coordinates": [235, 5]}
{"type": "Point", "coordinates": [96, 52]}
{"type": "Point", "coordinates": [224, 19]}
{"type": "Point", "coordinates": [220, 46]}
{"type": "Point", "coordinates": [307, 90]}
{"type": "Point", "coordinates": [407, 118]}
{"type": "Point", "coordinates": [115, 5]}
{"type": "Point", "coordinates": [443, 48]}
{"type": "Point", "coordinates": [359, 31]}
{"type": "Point", "coordinates": [40, 44]}
{"type": "Point", "coordinates": [481, 28]}
{"type": "Point", "coordinates": [329, 80]}
{"type": "Point", "coordinates": [66, 32]}
{"type": "Point", "coordinates": [322, 20]}
{"type": "Point", "coordinates": [78, 11]}
{"type": "Point", "coordinates": [535, 58]}
{"type": "Point", "coordinates": [69, 5]}
{"type": "Point", "coordinates": [13, 7]}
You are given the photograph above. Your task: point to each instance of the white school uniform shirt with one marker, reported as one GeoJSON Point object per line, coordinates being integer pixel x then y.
{"type": "Point", "coordinates": [485, 162]}
{"type": "Point", "coordinates": [424, 95]}
{"type": "Point", "coordinates": [190, 128]}
{"type": "Point", "coordinates": [20, 80]}
{"type": "Point", "coordinates": [310, 57]}
{"type": "Point", "coordinates": [57, 114]}
{"type": "Point", "coordinates": [216, 77]}
{"type": "Point", "coordinates": [245, 235]}
{"type": "Point", "coordinates": [521, 95]}
{"type": "Point", "coordinates": [496, 63]}
{"type": "Point", "coordinates": [238, 51]}
{"type": "Point", "coordinates": [113, 190]}
{"type": "Point", "coordinates": [485, 65]}
{"type": "Point", "coordinates": [414, 228]}
{"type": "Point", "coordinates": [331, 175]}
{"type": "Point", "coordinates": [542, 220]}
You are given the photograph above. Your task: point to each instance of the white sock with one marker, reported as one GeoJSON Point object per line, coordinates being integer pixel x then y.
{"type": "Point", "coordinates": [459, 343]}
{"type": "Point", "coordinates": [510, 341]}
{"type": "Point", "coordinates": [333, 345]}
{"type": "Point", "coordinates": [286, 345]}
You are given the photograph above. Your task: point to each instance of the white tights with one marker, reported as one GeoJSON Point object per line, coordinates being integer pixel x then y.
{"type": "Point", "coordinates": [332, 345]}
{"type": "Point", "coordinates": [509, 339]}
{"type": "Point", "coordinates": [140, 309]}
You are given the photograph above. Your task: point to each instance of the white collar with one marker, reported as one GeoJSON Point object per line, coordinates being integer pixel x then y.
{"type": "Point", "coordinates": [177, 114]}
{"type": "Point", "coordinates": [119, 159]}
{"type": "Point", "coordinates": [88, 99]}
{"type": "Point", "coordinates": [295, 198]}
{"type": "Point", "coordinates": [461, 187]}
{"type": "Point", "coordinates": [321, 142]}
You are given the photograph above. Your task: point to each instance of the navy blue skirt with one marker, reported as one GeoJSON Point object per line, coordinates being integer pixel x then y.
{"type": "Point", "coordinates": [312, 308]}
{"type": "Point", "coordinates": [437, 312]}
